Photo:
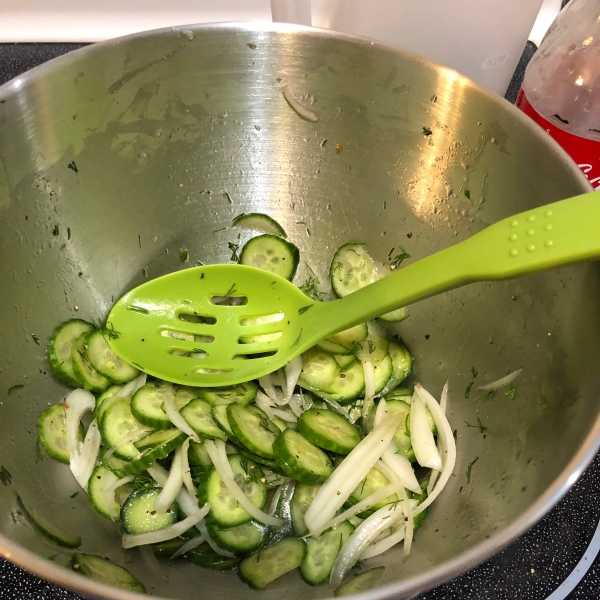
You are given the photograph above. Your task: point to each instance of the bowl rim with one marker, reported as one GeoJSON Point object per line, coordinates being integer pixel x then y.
{"type": "Point", "coordinates": [443, 572]}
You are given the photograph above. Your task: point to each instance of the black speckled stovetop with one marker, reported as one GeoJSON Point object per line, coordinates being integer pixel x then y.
{"type": "Point", "coordinates": [558, 559]}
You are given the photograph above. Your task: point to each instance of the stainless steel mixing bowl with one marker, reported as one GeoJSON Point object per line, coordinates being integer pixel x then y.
{"type": "Point", "coordinates": [116, 157]}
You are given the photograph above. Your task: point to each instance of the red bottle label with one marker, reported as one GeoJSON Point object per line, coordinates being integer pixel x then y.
{"type": "Point", "coordinates": [586, 153]}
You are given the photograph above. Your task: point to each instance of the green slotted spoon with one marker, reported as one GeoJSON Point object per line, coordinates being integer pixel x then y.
{"type": "Point", "coordinates": [175, 327]}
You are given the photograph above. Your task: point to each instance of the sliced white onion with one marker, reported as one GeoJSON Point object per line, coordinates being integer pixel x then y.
{"type": "Point", "coordinates": [185, 470]}
{"type": "Point", "coordinates": [352, 470]}
{"type": "Point", "coordinates": [296, 404]}
{"type": "Point", "coordinates": [421, 436]}
{"type": "Point", "coordinates": [266, 404]}
{"type": "Point", "coordinates": [275, 500]}
{"type": "Point", "coordinates": [496, 385]}
{"type": "Point", "coordinates": [370, 385]}
{"type": "Point", "coordinates": [109, 494]}
{"type": "Point", "coordinates": [189, 545]}
{"type": "Point", "coordinates": [443, 405]}
{"type": "Point", "coordinates": [167, 533]}
{"type": "Point", "coordinates": [385, 544]}
{"type": "Point", "coordinates": [77, 403]}
{"type": "Point", "coordinates": [359, 507]}
{"type": "Point", "coordinates": [444, 398]}
{"type": "Point", "coordinates": [129, 389]}
{"type": "Point", "coordinates": [172, 486]}
{"type": "Point", "coordinates": [338, 408]}
{"type": "Point", "coordinates": [447, 444]}
{"type": "Point", "coordinates": [362, 536]}
{"type": "Point", "coordinates": [216, 451]}
{"type": "Point", "coordinates": [89, 454]}
{"type": "Point", "coordinates": [187, 504]}
{"type": "Point", "coordinates": [292, 374]}
{"type": "Point", "coordinates": [175, 417]}
{"type": "Point", "coordinates": [217, 549]}
{"type": "Point", "coordinates": [266, 383]}
{"type": "Point", "coordinates": [302, 111]}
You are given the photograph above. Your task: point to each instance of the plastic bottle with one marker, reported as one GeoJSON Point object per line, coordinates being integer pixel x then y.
{"type": "Point", "coordinates": [561, 88]}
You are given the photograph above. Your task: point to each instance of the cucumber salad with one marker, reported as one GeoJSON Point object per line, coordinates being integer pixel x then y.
{"type": "Point", "coordinates": [319, 466]}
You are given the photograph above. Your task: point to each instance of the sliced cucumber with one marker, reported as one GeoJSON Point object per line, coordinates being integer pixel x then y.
{"type": "Point", "coordinates": [253, 429]}
{"type": "Point", "coordinates": [402, 435]}
{"type": "Point", "coordinates": [100, 479]}
{"type": "Point", "coordinates": [328, 430]}
{"type": "Point", "coordinates": [116, 424]}
{"type": "Point", "coordinates": [319, 370]}
{"type": "Point", "coordinates": [52, 433]}
{"type": "Point", "coordinates": [377, 344]}
{"type": "Point", "coordinates": [361, 583]}
{"type": "Point", "coordinates": [272, 254]}
{"type": "Point", "coordinates": [85, 374]}
{"type": "Point", "coordinates": [198, 455]}
{"type": "Point", "coordinates": [139, 516]}
{"type": "Point", "coordinates": [383, 370]}
{"type": "Point", "coordinates": [266, 565]}
{"type": "Point", "coordinates": [147, 403]}
{"type": "Point", "coordinates": [402, 361]}
{"type": "Point", "coordinates": [116, 465]}
{"type": "Point", "coordinates": [241, 539]}
{"type": "Point", "coordinates": [373, 482]}
{"type": "Point", "coordinates": [106, 362]}
{"type": "Point", "coordinates": [198, 415]}
{"type": "Point", "coordinates": [404, 394]}
{"type": "Point", "coordinates": [102, 570]}
{"type": "Point", "coordinates": [243, 393]}
{"type": "Point", "coordinates": [168, 548]}
{"type": "Point", "coordinates": [351, 338]}
{"type": "Point", "coordinates": [153, 447]}
{"type": "Point", "coordinates": [322, 552]}
{"type": "Point", "coordinates": [345, 360]}
{"type": "Point", "coordinates": [303, 496]}
{"type": "Point", "coordinates": [333, 347]}
{"type": "Point", "coordinates": [225, 510]}
{"type": "Point", "coordinates": [267, 462]}
{"type": "Point", "coordinates": [59, 349]}
{"type": "Point", "coordinates": [219, 413]}
{"type": "Point", "coordinates": [396, 315]}
{"type": "Point", "coordinates": [352, 269]}
{"type": "Point", "coordinates": [112, 391]}
{"type": "Point", "coordinates": [53, 533]}
{"type": "Point", "coordinates": [259, 222]}
{"type": "Point", "coordinates": [347, 386]}
{"type": "Point", "coordinates": [300, 459]}
{"type": "Point", "coordinates": [206, 557]}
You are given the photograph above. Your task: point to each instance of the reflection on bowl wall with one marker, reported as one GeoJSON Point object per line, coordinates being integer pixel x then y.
{"type": "Point", "coordinates": [115, 158]}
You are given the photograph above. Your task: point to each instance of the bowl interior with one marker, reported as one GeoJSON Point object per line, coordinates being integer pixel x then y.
{"type": "Point", "coordinates": [116, 159]}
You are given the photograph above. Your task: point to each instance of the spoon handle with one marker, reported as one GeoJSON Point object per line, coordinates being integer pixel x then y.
{"type": "Point", "coordinates": [538, 239]}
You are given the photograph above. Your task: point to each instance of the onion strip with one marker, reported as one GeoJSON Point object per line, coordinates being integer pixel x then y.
{"type": "Point", "coordinates": [421, 436]}
{"type": "Point", "coordinates": [217, 549]}
{"type": "Point", "coordinates": [189, 545]}
{"type": "Point", "coordinates": [185, 471]}
{"type": "Point", "coordinates": [216, 451]}
{"type": "Point", "coordinates": [292, 374]}
{"type": "Point", "coordinates": [109, 494]}
{"type": "Point", "coordinates": [352, 470]}
{"type": "Point", "coordinates": [266, 404]}
{"type": "Point", "coordinates": [77, 403]}
{"type": "Point", "coordinates": [89, 453]}
{"type": "Point", "coordinates": [172, 485]}
{"type": "Point", "coordinates": [176, 418]}
{"type": "Point", "coordinates": [301, 111]}
{"type": "Point", "coordinates": [167, 533]}
{"type": "Point", "coordinates": [369, 370]}
{"type": "Point", "coordinates": [501, 382]}
{"type": "Point", "coordinates": [443, 405]}
{"type": "Point", "coordinates": [129, 389]}
{"type": "Point", "coordinates": [385, 544]}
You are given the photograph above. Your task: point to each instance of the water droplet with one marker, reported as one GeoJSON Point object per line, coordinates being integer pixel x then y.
{"type": "Point", "coordinates": [549, 243]}
{"type": "Point", "coordinates": [549, 213]}
{"type": "Point", "coordinates": [513, 237]}
{"type": "Point", "coordinates": [514, 252]}
{"type": "Point", "coordinates": [531, 248]}
{"type": "Point", "coordinates": [514, 223]}
{"type": "Point", "coordinates": [530, 231]}
{"type": "Point", "coordinates": [189, 34]}
{"type": "Point", "coordinates": [531, 218]}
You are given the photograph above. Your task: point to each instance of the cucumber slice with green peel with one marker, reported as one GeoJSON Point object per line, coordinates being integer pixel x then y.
{"type": "Point", "coordinates": [100, 479]}
{"type": "Point", "coordinates": [253, 429]}
{"type": "Point", "coordinates": [395, 316]}
{"type": "Point", "coordinates": [373, 482]}
{"type": "Point", "coordinates": [206, 557]}
{"type": "Point", "coordinates": [345, 360]}
{"type": "Point", "coordinates": [319, 370]}
{"type": "Point", "coordinates": [322, 552]}
{"type": "Point", "coordinates": [59, 349]}
{"type": "Point", "coordinates": [153, 447]}
{"type": "Point", "coordinates": [328, 430]}
{"type": "Point", "coordinates": [402, 436]}
{"type": "Point", "coordinates": [85, 374]}
{"type": "Point", "coordinates": [106, 362]}
{"type": "Point", "coordinates": [300, 459]}
{"type": "Point", "coordinates": [346, 387]}
{"type": "Point", "coordinates": [383, 370]}
{"type": "Point", "coordinates": [280, 424]}
{"type": "Point", "coordinates": [404, 394]}
{"type": "Point", "coordinates": [303, 496]}
{"type": "Point", "coordinates": [112, 391]}
{"type": "Point", "coordinates": [52, 432]}
{"type": "Point", "coordinates": [147, 403]}
{"type": "Point", "coordinates": [139, 516]}
{"type": "Point", "coordinates": [104, 571]}
{"type": "Point", "coordinates": [361, 583]}
{"type": "Point", "coordinates": [198, 455]}
{"type": "Point", "coordinates": [333, 348]}
{"type": "Point", "coordinates": [116, 465]}
{"type": "Point", "coordinates": [271, 253]}
{"type": "Point", "coordinates": [225, 510]}
{"type": "Point", "coordinates": [116, 424]}
{"type": "Point", "coordinates": [184, 395]}
{"type": "Point", "coordinates": [351, 338]}
{"type": "Point", "coordinates": [352, 269]}
{"type": "Point", "coordinates": [241, 539]}
{"type": "Point", "coordinates": [266, 565]}
{"type": "Point", "coordinates": [377, 344]}
{"type": "Point", "coordinates": [168, 548]}
{"type": "Point", "coordinates": [53, 533]}
{"type": "Point", "coordinates": [219, 413]}
{"type": "Point", "coordinates": [271, 464]}
{"type": "Point", "coordinates": [198, 415]}
{"type": "Point", "coordinates": [244, 393]}
{"type": "Point", "coordinates": [259, 222]}
{"type": "Point", "coordinates": [402, 361]}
